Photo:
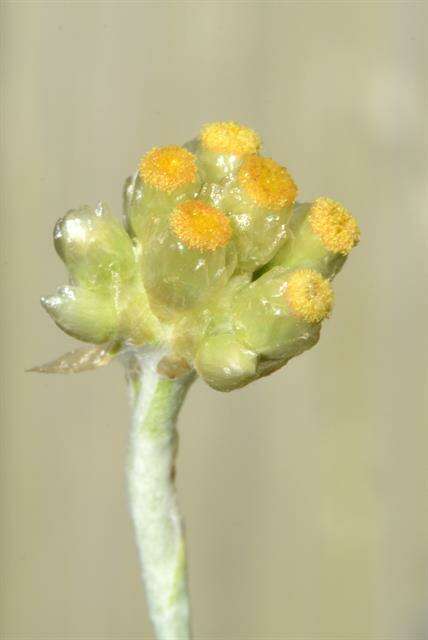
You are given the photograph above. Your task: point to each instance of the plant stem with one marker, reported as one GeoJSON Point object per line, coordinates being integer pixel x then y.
{"type": "Point", "coordinates": [153, 502]}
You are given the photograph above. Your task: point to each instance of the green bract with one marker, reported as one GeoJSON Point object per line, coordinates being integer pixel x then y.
{"type": "Point", "coordinates": [215, 262]}
{"type": "Point", "coordinates": [264, 320]}
{"type": "Point", "coordinates": [179, 278]}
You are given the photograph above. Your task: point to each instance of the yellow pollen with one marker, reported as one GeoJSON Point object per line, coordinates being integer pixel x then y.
{"type": "Point", "coordinates": [309, 295]}
{"type": "Point", "coordinates": [267, 183]}
{"type": "Point", "coordinates": [334, 225]}
{"type": "Point", "coordinates": [168, 168]}
{"type": "Point", "coordinates": [200, 226]}
{"type": "Point", "coordinates": [229, 137]}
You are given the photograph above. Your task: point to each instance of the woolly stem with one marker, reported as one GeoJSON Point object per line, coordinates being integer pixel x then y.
{"type": "Point", "coordinates": [158, 526]}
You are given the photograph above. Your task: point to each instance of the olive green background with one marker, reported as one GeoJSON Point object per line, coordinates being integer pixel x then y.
{"type": "Point", "coordinates": [305, 494]}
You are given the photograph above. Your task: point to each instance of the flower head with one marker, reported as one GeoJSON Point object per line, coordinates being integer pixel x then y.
{"type": "Point", "coordinates": [216, 265]}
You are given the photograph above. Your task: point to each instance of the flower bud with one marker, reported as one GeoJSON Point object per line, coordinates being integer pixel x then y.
{"type": "Point", "coordinates": [224, 363]}
{"type": "Point", "coordinates": [83, 314]}
{"type": "Point", "coordinates": [95, 248]}
{"type": "Point", "coordinates": [101, 260]}
{"type": "Point", "coordinates": [279, 314]}
{"type": "Point", "coordinates": [321, 236]}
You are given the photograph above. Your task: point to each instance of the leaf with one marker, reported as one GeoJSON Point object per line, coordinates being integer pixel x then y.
{"type": "Point", "coordinates": [83, 359]}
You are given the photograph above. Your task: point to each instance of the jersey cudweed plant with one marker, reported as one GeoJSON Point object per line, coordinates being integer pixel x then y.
{"type": "Point", "coordinates": [216, 272]}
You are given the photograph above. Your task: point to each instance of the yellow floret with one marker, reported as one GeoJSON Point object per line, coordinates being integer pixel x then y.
{"type": "Point", "coordinates": [334, 225]}
{"type": "Point", "coordinates": [229, 137]}
{"type": "Point", "coordinates": [309, 295]}
{"type": "Point", "coordinates": [168, 168]}
{"type": "Point", "coordinates": [267, 183]}
{"type": "Point", "coordinates": [200, 226]}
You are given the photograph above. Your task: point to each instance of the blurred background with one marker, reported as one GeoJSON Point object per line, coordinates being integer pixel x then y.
{"type": "Point", "coordinates": [305, 494]}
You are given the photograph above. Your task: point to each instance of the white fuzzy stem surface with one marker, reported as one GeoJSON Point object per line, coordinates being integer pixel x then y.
{"type": "Point", "coordinates": [153, 501]}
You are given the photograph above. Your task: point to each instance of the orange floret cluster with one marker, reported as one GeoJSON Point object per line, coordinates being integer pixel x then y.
{"type": "Point", "coordinates": [334, 225]}
{"type": "Point", "coordinates": [168, 168]}
{"type": "Point", "coordinates": [229, 137]}
{"type": "Point", "coordinates": [309, 295]}
{"type": "Point", "coordinates": [200, 226]}
{"type": "Point", "coordinates": [267, 183]}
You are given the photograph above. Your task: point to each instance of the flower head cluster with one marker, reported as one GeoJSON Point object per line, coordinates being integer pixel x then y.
{"type": "Point", "coordinates": [217, 264]}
